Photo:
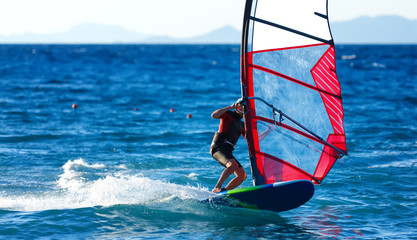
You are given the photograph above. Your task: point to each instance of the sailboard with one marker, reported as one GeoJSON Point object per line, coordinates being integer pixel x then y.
{"type": "Point", "coordinates": [289, 83]}
{"type": "Point", "coordinates": [277, 197]}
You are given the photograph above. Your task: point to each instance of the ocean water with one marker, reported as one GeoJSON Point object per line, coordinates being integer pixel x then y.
{"type": "Point", "coordinates": [123, 166]}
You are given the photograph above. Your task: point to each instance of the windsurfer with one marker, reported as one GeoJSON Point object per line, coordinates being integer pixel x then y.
{"type": "Point", "coordinates": [230, 129]}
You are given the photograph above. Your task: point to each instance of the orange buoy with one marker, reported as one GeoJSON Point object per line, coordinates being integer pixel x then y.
{"type": "Point", "coordinates": [189, 116]}
{"type": "Point", "coordinates": [171, 110]}
{"type": "Point", "coordinates": [74, 106]}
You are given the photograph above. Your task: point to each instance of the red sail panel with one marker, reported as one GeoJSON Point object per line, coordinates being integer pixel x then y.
{"type": "Point", "coordinates": [329, 155]}
{"type": "Point", "coordinates": [278, 170]}
{"type": "Point", "coordinates": [324, 74]}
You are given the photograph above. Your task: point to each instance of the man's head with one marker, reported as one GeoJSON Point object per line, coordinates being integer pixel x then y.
{"type": "Point", "coordinates": [239, 108]}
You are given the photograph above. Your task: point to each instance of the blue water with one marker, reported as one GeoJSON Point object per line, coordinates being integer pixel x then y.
{"type": "Point", "coordinates": [121, 165]}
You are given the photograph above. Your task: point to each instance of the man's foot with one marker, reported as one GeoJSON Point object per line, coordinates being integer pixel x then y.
{"type": "Point", "coordinates": [217, 190]}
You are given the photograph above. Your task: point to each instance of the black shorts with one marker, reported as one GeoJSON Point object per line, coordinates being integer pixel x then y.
{"type": "Point", "coordinates": [222, 154]}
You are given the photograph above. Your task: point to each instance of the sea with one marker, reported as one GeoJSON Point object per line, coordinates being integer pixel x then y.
{"type": "Point", "coordinates": [112, 142]}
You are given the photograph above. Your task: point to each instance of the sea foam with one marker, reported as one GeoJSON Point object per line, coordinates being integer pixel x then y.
{"type": "Point", "coordinates": [87, 185]}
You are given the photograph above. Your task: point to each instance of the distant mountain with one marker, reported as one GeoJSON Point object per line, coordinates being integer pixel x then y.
{"type": "Point", "coordinates": [84, 33]}
{"type": "Point", "coordinates": [383, 29]}
{"type": "Point", "coordinates": [378, 30]}
{"type": "Point", "coordinates": [226, 34]}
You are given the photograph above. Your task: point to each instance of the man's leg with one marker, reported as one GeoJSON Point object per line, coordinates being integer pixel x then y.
{"type": "Point", "coordinates": [231, 167]}
{"type": "Point", "coordinates": [240, 177]}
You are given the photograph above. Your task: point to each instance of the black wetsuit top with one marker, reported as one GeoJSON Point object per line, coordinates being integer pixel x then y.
{"type": "Point", "coordinates": [230, 129]}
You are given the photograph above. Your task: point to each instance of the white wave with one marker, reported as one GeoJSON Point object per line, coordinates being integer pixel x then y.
{"type": "Point", "coordinates": [398, 164]}
{"type": "Point", "coordinates": [78, 191]}
{"type": "Point", "coordinates": [71, 164]}
{"type": "Point", "coordinates": [192, 176]}
{"type": "Point", "coordinates": [378, 65]}
{"type": "Point", "coordinates": [72, 178]}
{"type": "Point", "coordinates": [348, 57]}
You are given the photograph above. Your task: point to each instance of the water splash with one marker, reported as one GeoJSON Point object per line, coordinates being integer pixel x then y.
{"type": "Point", "coordinates": [88, 185]}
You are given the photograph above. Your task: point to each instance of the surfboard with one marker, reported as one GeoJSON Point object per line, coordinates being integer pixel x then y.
{"type": "Point", "coordinates": [276, 197]}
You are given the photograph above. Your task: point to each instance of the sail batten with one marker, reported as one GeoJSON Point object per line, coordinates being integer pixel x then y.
{"type": "Point", "coordinates": [294, 80]}
{"type": "Point", "coordinates": [290, 30]}
{"type": "Point", "coordinates": [288, 76]}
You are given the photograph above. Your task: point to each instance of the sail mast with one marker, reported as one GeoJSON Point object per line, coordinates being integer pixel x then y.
{"type": "Point", "coordinates": [245, 74]}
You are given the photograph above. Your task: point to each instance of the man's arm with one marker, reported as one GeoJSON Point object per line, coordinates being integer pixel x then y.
{"type": "Point", "coordinates": [219, 112]}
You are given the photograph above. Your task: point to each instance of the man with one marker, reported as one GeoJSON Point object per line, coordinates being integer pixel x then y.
{"type": "Point", "coordinates": [230, 129]}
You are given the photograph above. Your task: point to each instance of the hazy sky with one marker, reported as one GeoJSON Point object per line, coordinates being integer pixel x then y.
{"type": "Point", "coordinates": [175, 18]}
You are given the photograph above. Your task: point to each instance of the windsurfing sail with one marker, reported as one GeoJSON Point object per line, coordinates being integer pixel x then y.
{"type": "Point", "coordinates": [289, 81]}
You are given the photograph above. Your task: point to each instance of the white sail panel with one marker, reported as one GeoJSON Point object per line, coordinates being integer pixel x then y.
{"type": "Point", "coordinates": [298, 15]}
{"type": "Point", "coordinates": [277, 38]}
